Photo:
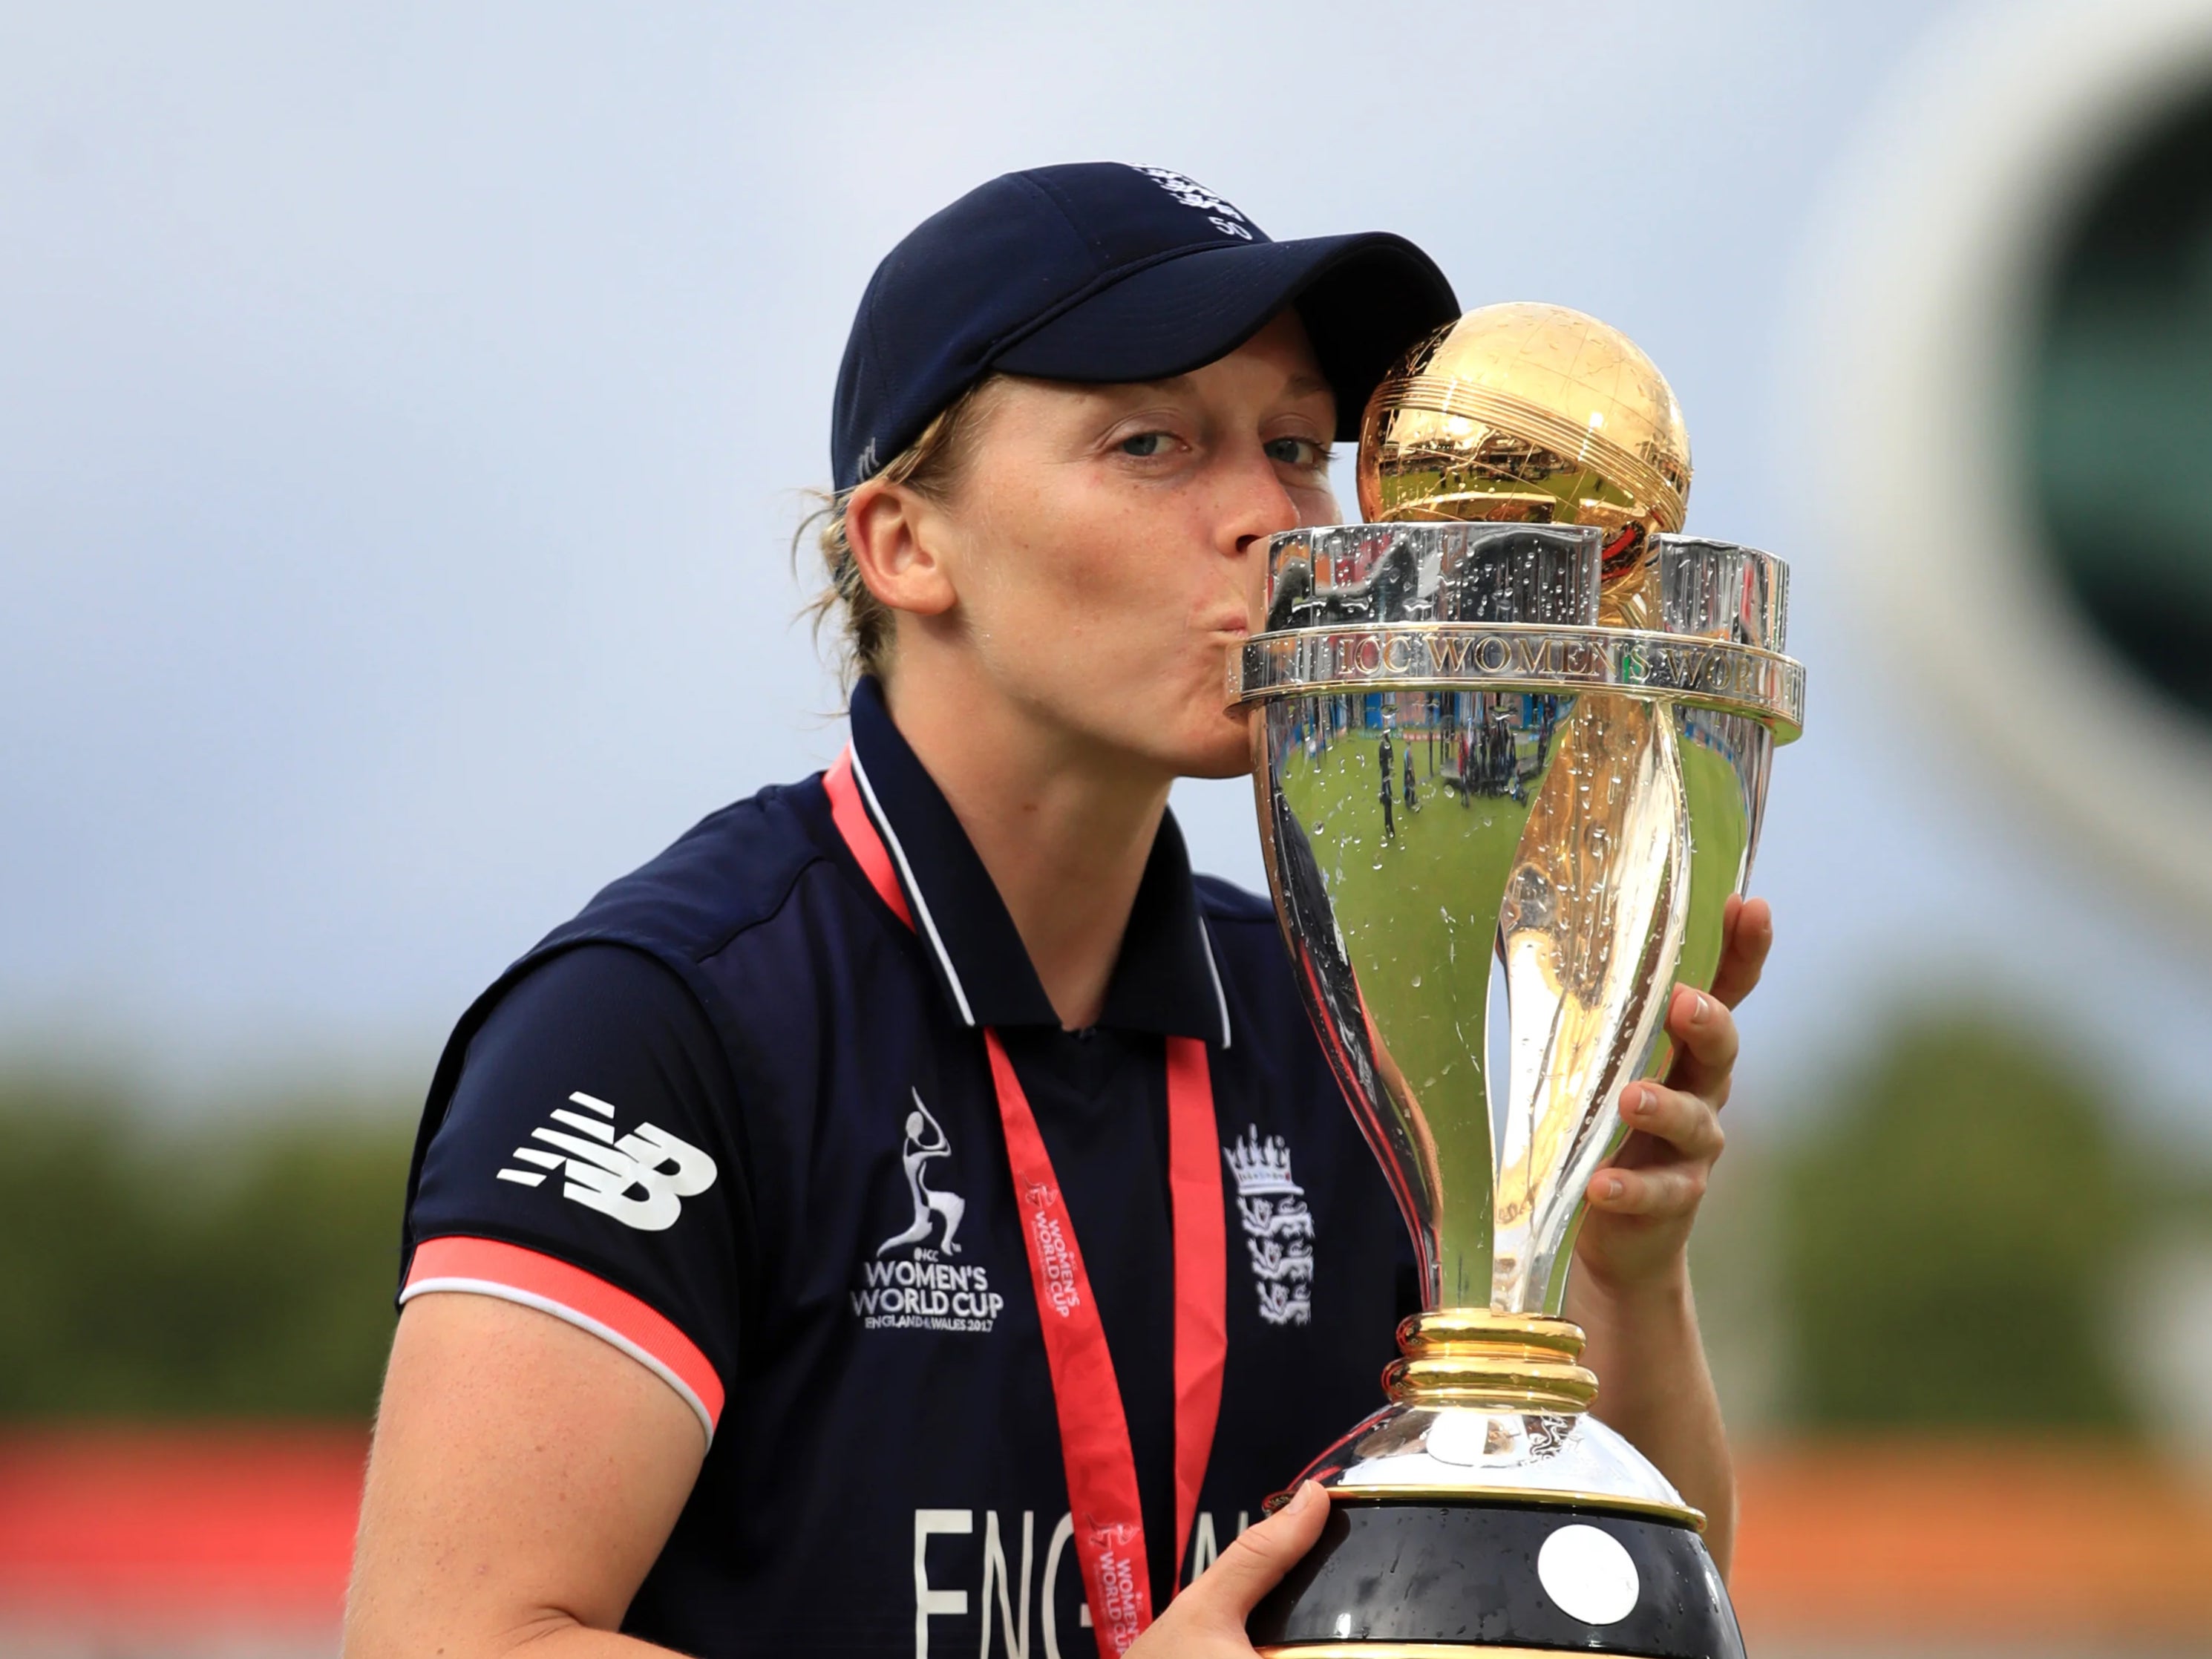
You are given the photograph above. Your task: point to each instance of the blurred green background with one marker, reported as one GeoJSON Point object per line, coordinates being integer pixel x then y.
{"type": "Point", "coordinates": [1946, 1235]}
{"type": "Point", "coordinates": [1965, 1227]}
{"type": "Point", "coordinates": [242, 1267]}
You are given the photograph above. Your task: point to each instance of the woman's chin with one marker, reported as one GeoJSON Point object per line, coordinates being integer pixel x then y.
{"type": "Point", "coordinates": [1224, 751]}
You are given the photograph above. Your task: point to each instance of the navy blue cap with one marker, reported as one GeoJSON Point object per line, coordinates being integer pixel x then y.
{"type": "Point", "coordinates": [1100, 271]}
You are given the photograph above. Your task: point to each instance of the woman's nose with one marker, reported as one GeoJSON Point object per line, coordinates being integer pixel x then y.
{"type": "Point", "coordinates": [1255, 504]}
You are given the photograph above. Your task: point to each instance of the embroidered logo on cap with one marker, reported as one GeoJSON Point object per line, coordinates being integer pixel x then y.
{"type": "Point", "coordinates": [1220, 212]}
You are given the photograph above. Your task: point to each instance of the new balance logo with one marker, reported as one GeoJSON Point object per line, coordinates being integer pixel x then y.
{"type": "Point", "coordinates": [641, 1179]}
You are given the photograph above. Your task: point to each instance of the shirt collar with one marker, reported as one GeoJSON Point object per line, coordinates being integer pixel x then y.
{"type": "Point", "coordinates": [1164, 981]}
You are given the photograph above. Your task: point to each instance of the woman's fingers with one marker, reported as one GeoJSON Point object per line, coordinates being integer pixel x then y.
{"type": "Point", "coordinates": [1686, 1131]}
{"type": "Point", "coordinates": [1700, 1022]}
{"type": "Point", "coordinates": [1685, 1123]}
{"type": "Point", "coordinates": [1705, 1044]}
{"type": "Point", "coordinates": [1665, 1192]}
{"type": "Point", "coordinates": [1748, 934]}
{"type": "Point", "coordinates": [1256, 1562]}
{"type": "Point", "coordinates": [1206, 1621]}
{"type": "Point", "coordinates": [1648, 1196]}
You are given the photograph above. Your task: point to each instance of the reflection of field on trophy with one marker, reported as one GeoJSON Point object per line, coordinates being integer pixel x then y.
{"type": "Point", "coordinates": [1592, 920]}
{"type": "Point", "coordinates": [1594, 914]}
{"type": "Point", "coordinates": [1536, 414]}
{"type": "Point", "coordinates": [1416, 904]}
{"type": "Point", "coordinates": [1502, 811]}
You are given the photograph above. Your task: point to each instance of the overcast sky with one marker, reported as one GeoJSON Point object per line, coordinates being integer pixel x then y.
{"type": "Point", "coordinates": [403, 411]}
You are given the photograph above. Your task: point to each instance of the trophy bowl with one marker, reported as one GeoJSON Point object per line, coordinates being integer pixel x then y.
{"type": "Point", "coordinates": [1512, 744]}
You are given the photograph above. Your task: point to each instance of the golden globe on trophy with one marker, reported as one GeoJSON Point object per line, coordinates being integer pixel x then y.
{"type": "Point", "coordinates": [1512, 741]}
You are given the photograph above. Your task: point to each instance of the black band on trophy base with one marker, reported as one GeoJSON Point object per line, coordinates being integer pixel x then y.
{"type": "Point", "coordinates": [1390, 1576]}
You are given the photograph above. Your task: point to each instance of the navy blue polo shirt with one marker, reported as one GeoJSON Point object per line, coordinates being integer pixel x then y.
{"type": "Point", "coordinates": [737, 1119]}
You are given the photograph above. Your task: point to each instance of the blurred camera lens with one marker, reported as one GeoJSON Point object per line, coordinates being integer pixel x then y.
{"type": "Point", "coordinates": [2119, 407]}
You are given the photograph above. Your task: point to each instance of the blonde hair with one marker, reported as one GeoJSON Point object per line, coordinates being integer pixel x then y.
{"type": "Point", "coordinates": [930, 467]}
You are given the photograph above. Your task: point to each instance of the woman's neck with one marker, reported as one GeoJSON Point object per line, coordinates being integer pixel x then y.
{"type": "Point", "coordinates": [1064, 833]}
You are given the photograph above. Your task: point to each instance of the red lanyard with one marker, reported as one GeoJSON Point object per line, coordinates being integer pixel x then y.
{"type": "Point", "coordinates": [1094, 1432]}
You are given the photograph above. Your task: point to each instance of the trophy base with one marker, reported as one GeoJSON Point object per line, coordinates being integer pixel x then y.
{"type": "Point", "coordinates": [1491, 1406]}
{"type": "Point", "coordinates": [1439, 1577]}
{"type": "Point", "coordinates": [1485, 1509]}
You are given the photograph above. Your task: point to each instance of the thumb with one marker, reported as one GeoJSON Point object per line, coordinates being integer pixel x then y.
{"type": "Point", "coordinates": [1256, 1562]}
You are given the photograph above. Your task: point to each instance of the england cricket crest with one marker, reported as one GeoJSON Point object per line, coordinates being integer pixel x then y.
{"type": "Point", "coordinates": [1278, 1228]}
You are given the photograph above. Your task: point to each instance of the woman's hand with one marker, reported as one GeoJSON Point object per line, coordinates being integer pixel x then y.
{"type": "Point", "coordinates": [1642, 1203]}
{"type": "Point", "coordinates": [1206, 1621]}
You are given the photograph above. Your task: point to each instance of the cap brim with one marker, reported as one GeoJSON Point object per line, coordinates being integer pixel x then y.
{"type": "Point", "coordinates": [1364, 299]}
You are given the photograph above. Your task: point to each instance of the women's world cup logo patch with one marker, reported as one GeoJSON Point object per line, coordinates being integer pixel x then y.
{"type": "Point", "coordinates": [1278, 1228]}
{"type": "Point", "coordinates": [912, 1281]}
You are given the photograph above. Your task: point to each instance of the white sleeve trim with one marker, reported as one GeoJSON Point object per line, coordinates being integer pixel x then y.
{"type": "Point", "coordinates": [582, 1321]}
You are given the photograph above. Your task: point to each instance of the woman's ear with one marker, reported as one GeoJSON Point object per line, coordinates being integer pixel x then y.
{"type": "Point", "coordinates": [894, 534]}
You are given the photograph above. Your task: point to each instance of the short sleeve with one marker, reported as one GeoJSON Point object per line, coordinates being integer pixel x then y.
{"type": "Point", "coordinates": [587, 1166]}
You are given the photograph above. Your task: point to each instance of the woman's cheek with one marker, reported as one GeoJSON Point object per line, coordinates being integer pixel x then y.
{"type": "Point", "coordinates": [1317, 504]}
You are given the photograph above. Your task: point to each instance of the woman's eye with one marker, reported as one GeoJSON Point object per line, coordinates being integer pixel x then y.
{"type": "Point", "coordinates": [1146, 445]}
{"type": "Point", "coordinates": [1301, 452]}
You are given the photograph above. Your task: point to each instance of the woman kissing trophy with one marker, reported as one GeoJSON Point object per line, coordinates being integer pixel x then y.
{"type": "Point", "coordinates": [1515, 730]}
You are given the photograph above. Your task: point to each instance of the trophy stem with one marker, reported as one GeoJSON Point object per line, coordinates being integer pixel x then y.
{"type": "Point", "coordinates": [1482, 1357]}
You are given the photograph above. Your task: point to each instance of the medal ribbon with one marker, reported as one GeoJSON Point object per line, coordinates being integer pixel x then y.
{"type": "Point", "coordinates": [1094, 1430]}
